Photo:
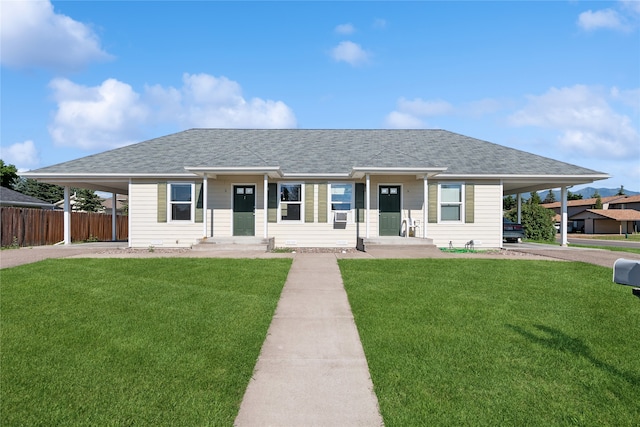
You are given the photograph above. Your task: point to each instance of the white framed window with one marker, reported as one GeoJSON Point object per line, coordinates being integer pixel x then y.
{"type": "Point", "coordinates": [342, 196]}
{"type": "Point", "coordinates": [181, 201]}
{"type": "Point", "coordinates": [291, 205]}
{"type": "Point", "coordinates": [451, 198]}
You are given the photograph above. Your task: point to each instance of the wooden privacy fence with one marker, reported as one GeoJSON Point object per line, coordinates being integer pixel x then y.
{"type": "Point", "coordinates": [37, 227]}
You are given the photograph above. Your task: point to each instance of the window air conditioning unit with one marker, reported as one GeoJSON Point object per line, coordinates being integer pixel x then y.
{"type": "Point", "coordinates": [340, 216]}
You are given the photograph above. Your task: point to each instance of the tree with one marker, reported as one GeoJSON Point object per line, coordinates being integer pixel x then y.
{"type": "Point", "coordinates": [508, 203]}
{"type": "Point", "coordinates": [598, 204]}
{"type": "Point", "coordinates": [8, 174]}
{"type": "Point", "coordinates": [537, 222]}
{"type": "Point", "coordinates": [573, 196]}
{"type": "Point", "coordinates": [550, 197]}
{"type": "Point", "coordinates": [535, 198]}
{"type": "Point", "coordinates": [87, 201]}
{"type": "Point", "coordinates": [621, 191]}
{"type": "Point", "coordinates": [48, 192]}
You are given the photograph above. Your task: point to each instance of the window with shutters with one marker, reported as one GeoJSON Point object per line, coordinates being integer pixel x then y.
{"type": "Point", "coordinates": [451, 202]}
{"type": "Point", "coordinates": [341, 201]}
{"type": "Point", "coordinates": [181, 202]}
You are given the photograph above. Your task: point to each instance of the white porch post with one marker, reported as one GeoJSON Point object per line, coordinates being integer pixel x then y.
{"type": "Point", "coordinates": [425, 197]}
{"type": "Point", "coordinates": [114, 217]}
{"type": "Point", "coordinates": [368, 202]}
{"type": "Point", "coordinates": [519, 197]}
{"type": "Point", "coordinates": [129, 210]}
{"type": "Point", "coordinates": [205, 191]}
{"type": "Point", "coordinates": [265, 205]}
{"type": "Point", "coordinates": [563, 216]}
{"type": "Point", "coordinates": [67, 216]}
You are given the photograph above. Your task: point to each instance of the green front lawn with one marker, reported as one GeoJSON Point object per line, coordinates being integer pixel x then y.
{"type": "Point", "coordinates": [497, 342]}
{"type": "Point", "coordinates": [166, 341]}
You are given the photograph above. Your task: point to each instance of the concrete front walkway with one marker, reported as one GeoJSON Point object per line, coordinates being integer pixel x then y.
{"type": "Point", "coordinates": [312, 370]}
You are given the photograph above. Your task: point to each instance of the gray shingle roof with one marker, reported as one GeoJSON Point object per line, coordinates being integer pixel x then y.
{"type": "Point", "coordinates": [316, 151]}
{"type": "Point", "coordinates": [9, 197]}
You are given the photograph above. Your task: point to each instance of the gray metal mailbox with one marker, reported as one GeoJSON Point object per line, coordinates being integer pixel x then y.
{"type": "Point", "coordinates": [627, 272]}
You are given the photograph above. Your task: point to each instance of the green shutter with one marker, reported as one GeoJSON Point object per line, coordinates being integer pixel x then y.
{"type": "Point", "coordinates": [433, 203]}
{"type": "Point", "coordinates": [360, 207]}
{"type": "Point", "coordinates": [272, 203]}
{"type": "Point", "coordinates": [322, 202]}
{"type": "Point", "coordinates": [469, 203]}
{"type": "Point", "coordinates": [162, 202]}
{"type": "Point", "coordinates": [308, 202]}
{"type": "Point", "coordinates": [199, 203]}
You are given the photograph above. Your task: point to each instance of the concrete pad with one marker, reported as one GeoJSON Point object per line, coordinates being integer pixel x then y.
{"type": "Point", "coordinates": [331, 393]}
{"type": "Point", "coordinates": [302, 338]}
{"type": "Point", "coordinates": [312, 370]}
{"type": "Point", "coordinates": [313, 303]}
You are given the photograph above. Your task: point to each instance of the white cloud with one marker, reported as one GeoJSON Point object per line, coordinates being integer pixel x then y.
{"type": "Point", "coordinates": [400, 120]}
{"type": "Point", "coordinates": [114, 114]}
{"type": "Point", "coordinates": [345, 29]}
{"type": "Point", "coordinates": [33, 35]}
{"type": "Point", "coordinates": [105, 116]}
{"type": "Point", "coordinates": [606, 18]}
{"type": "Point", "coordinates": [624, 19]}
{"type": "Point", "coordinates": [419, 107]}
{"type": "Point", "coordinates": [351, 53]}
{"type": "Point", "coordinates": [587, 124]}
{"type": "Point", "coordinates": [23, 155]}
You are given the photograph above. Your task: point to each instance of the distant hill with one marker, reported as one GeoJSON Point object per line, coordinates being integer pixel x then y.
{"type": "Point", "coordinates": [585, 192]}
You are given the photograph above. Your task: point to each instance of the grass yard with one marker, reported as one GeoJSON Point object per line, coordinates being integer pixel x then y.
{"type": "Point", "coordinates": [497, 342]}
{"type": "Point", "coordinates": [164, 341]}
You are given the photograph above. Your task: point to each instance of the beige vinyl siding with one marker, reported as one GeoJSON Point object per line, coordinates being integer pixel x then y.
{"type": "Point", "coordinates": [313, 235]}
{"type": "Point", "coordinates": [487, 225]}
{"type": "Point", "coordinates": [145, 230]}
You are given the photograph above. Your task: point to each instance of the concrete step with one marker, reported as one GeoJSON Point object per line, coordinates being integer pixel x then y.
{"type": "Point", "coordinates": [398, 241]}
{"type": "Point", "coordinates": [235, 243]}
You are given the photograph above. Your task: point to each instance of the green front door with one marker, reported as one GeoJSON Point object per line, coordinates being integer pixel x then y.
{"type": "Point", "coordinates": [244, 202]}
{"type": "Point", "coordinates": [389, 207]}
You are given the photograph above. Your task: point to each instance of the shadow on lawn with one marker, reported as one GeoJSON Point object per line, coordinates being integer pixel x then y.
{"type": "Point", "coordinates": [558, 340]}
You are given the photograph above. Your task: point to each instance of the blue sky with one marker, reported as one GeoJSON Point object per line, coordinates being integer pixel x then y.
{"type": "Point", "coordinates": [558, 79]}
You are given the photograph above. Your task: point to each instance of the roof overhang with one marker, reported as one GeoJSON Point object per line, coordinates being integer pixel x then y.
{"type": "Point", "coordinates": [359, 172]}
{"type": "Point", "coordinates": [518, 184]}
{"type": "Point", "coordinates": [212, 172]}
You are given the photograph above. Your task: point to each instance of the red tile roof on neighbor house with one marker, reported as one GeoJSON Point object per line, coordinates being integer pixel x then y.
{"type": "Point", "coordinates": [585, 202]}
{"type": "Point", "coordinates": [615, 214]}
{"type": "Point", "coordinates": [627, 199]}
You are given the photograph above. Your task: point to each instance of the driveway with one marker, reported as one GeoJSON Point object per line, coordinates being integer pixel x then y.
{"type": "Point", "coordinates": [600, 257]}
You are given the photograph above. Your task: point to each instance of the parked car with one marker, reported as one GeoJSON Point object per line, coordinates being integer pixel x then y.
{"type": "Point", "coordinates": [512, 231]}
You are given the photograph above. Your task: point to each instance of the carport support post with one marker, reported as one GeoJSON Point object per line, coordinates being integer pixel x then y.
{"type": "Point", "coordinates": [67, 216]}
{"type": "Point", "coordinates": [519, 198]}
{"type": "Point", "coordinates": [114, 217]}
{"type": "Point", "coordinates": [563, 216]}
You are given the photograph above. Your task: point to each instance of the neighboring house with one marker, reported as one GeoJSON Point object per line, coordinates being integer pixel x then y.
{"type": "Point", "coordinates": [315, 188]}
{"type": "Point", "coordinates": [608, 221]}
{"type": "Point", "coordinates": [11, 198]}
{"type": "Point", "coordinates": [619, 214]}
{"type": "Point", "coordinates": [121, 201]}
{"type": "Point", "coordinates": [626, 202]}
